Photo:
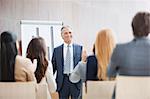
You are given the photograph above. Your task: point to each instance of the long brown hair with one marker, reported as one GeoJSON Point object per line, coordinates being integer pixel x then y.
{"type": "Point", "coordinates": [37, 50]}
{"type": "Point", "coordinates": [104, 45]}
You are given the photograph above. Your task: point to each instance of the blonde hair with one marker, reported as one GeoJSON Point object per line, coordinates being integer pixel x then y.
{"type": "Point", "coordinates": [104, 45]}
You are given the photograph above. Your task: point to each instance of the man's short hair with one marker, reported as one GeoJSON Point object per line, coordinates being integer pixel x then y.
{"type": "Point", "coordinates": [65, 27]}
{"type": "Point", "coordinates": [141, 24]}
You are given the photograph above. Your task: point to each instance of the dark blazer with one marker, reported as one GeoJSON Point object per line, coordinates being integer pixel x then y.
{"type": "Point", "coordinates": [58, 63]}
{"type": "Point", "coordinates": [131, 59]}
{"type": "Point", "coordinates": [91, 72]}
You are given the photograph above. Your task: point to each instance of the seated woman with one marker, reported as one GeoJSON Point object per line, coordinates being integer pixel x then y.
{"type": "Point", "coordinates": [96, 66]}
{"type": "Point", "coordinates": [44, 72]}
{"type": "Point", "coordinates": [14, 67]}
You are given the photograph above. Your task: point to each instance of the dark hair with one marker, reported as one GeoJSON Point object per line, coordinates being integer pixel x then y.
{"type": "Point", "coordinates": [66, 26]}
{"type": "Point", "coordinates": [37, 50]}
{"type": "Point", "coordinates": [93, 50]}
{"type": "Point", "coordinates": [141, 24]}
{"type": "Point", "coordinates": [8, 55]}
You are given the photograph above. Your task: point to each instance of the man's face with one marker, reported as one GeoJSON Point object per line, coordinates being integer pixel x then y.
{"type": "Point", "coordinates": [67, 35]}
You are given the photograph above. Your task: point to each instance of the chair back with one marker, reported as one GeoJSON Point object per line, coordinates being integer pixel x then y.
{"type": "Point", "coordinates": [133, 87]}
{"type": "Point", "coordinates": [17, 90]}
{"type": "Point", "coordinates": [42, 91]}
{"type": "Point", "coordinates": [98, 89]}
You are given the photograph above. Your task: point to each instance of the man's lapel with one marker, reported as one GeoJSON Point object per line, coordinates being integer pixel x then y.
{"type": "Point", "coordinates": [61, 56]}
{"type": "Point", "coordinates": [74, 54]}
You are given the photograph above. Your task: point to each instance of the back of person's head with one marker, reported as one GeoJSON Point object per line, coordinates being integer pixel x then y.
{"type": "Point", "coordinates": [104, 45]}
{"type": "Point", "coordinates": [37, 50]}
{"type": "Point", "coordinates": [141, 24]}
{"type": "Point", "coordinates": [8, 55]}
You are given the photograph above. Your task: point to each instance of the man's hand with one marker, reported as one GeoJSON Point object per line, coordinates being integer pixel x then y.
{"type": "Point", "coordinates": [84, 56]}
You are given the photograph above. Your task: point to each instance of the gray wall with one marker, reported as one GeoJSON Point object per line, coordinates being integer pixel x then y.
{"type": "Point", "coordinates": [86, 17]}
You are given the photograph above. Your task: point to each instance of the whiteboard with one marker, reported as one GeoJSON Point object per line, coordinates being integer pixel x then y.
{"type": "Point", "coordinates": [49, 30]}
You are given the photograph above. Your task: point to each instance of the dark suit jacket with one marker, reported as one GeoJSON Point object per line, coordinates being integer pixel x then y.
{"type": "Point", "coordinates": [131, 59]}
{"type": "Point", "coordinates": [91, 72]}
{"type": "Point", "coordinates": [58, 63]}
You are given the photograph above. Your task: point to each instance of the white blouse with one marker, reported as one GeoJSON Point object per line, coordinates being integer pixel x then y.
{"type": "Point", "coordinates": [50, 81]}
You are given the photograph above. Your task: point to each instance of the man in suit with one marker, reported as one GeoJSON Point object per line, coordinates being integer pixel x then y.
{"type": "Point", "coordinates": [133, 58]}
{"type": "Point", "coordinates": [60, 61]}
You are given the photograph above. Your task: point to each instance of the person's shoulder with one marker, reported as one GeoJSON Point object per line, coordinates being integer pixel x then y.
{"type": "Point", "coordinates": [23, 63]}
{"type": "Point", "coordinates": [122, 45]}
{"type": "Point", "coordinates": [58, 46]}
{"type": "Point", "coordinates": [91, 56]}
{"type": "Point", "coordinates": [77, 45]}
{"type": "Point", "coordinates": [22, 60]}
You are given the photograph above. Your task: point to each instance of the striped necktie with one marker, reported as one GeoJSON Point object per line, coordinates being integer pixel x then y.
{"type": "Point", "coordinates": [68, 61]}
